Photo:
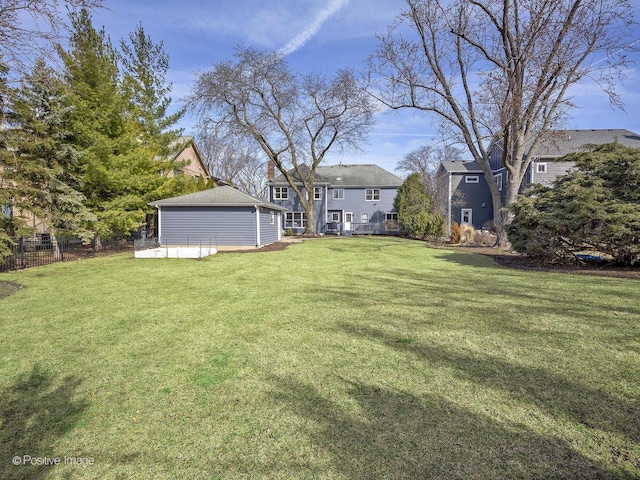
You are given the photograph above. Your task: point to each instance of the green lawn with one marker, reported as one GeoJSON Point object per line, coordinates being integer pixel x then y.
{"type": "Point", "coordinates": [350, 358]}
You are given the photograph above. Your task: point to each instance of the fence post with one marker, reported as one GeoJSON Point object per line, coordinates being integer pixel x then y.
{"type": "Point", "coordinates": [61, 246]}
{"type": "Point", "coordinates": [93, 245]}
{"type": "Point", "coordinates": [22, 259]}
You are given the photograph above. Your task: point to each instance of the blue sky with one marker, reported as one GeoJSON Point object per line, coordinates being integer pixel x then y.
{"type": "Point", "coordinates": [317, 35]}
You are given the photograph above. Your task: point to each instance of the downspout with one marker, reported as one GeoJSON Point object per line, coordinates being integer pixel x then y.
{"type": "Point", "coordinates": [532, 167]}
{"type": "Point", "coordinates": [326, 204]}
{"type": "Point", "coordinates": [257, 225]}
{"type": "Point", "coordinates": [159, 224]}
{"type": "Point", "coordinates": [449, 208]}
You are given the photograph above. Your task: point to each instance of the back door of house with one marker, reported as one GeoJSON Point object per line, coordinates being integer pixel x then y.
{"type": "Point", "coordinates": [348, 218]}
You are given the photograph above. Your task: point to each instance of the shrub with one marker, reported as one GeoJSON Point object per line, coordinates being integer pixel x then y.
{"type": "Point", "coordinates": [455, 233]}
{"type": "Point", "coordinates": [484, 238]}
{"type": "Point", "coordinates": [594, 207]}
{"type": "Point", "coordinates": [467, 232]}
{"type": "Point", "coordinates": [415, 209]}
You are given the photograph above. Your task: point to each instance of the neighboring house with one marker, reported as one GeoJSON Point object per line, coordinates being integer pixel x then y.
{"type": "Point", "coordinates": [468, 199]}
{"type": "Point", "coordinates": [348, 199]}
{"type": "Point", "coordinates": [473, 205]}
{"type": "Point", "coordinates": [221, 217]}
{"type": "Point", "coordinates": [186, 151]}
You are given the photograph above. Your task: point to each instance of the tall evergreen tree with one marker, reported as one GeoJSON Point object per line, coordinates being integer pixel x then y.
{"type": "Point", "coordinates": [118, 120]}
{"type": "Point", "coordinates": [44, 175]}
{"type": "Point", "coordinates": [98, 115]}
{"type": "Point", "coordinates": [144, 68]}
{"type": "Point", "coordinates": [5, 155]}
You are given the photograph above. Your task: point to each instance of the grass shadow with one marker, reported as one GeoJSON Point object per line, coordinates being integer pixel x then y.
{"type": "Point", "coordinates": [559, 396]}
{"type": "Point", "coordinates": [8, 288]}
{"type": "Point", "coordinates": [394, 434]}
{"type": "Point", "coordinates": [35, 411]}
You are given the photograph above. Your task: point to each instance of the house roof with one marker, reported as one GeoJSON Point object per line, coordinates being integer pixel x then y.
{"type": "Point", "coordinates": [181, 144]}
{"type": "Point", "coordinates": [348, 175]}
{"type": "Point", "coordinates": [223, 196]}
{"type": "Point", "coordinates": [561, 142]}
{"type": "Point", "coordinates": [457, 166]}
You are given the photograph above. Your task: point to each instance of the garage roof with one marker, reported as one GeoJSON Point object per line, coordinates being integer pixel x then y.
{"type": "Point", "coordinates": [218, 196]}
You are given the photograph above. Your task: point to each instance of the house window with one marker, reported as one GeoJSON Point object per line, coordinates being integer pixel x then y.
{"type": "Point", "coordinates": [471, 179]}
{"type": "Point", "coordinates": [317, 193]}
{"type": "Point", "coordinates": [280, 193]}
{"type": "Point", "coordinates": [364, 218]}
{"type": "Point", "coordinates": [391, 222]}
{"type": "Point", "coordinates": [273, 218]}
{"type": "Point", "coordinates": [541, 168]}
{"type": "Point", "coordinates": [338, 194]}
{"type": "Point", "coordinates": [334, 216]}
{"type": "Point", "coordinates": [467, 216]}
{"type": "Point", "coordinates": [372, 194]}
{"type": "Point", "coordinates": [499, 180]}
{"type": "Point", "coordinates": [295, 220]}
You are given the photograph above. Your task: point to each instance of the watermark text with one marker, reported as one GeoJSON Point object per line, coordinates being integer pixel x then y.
{"type": "Point", "coordinates": [52, 461]}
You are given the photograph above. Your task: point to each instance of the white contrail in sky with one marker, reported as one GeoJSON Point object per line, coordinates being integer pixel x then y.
{"type": "Point", "coordinates": [303, 37]}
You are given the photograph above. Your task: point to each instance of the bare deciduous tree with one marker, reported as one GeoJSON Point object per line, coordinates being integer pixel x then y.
{"type": "Point", "coordinates": [425, 162]}
{"type": "Point", "coordinates": [294, 119]}
{"type": "Point", "coordinates": [28, 25]}
{"type": "Point", "coordinates": [497, 72]}
{"type": "Point", "coordinates": [234, 159]}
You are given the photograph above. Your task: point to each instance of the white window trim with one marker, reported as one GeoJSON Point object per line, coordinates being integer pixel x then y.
{"type": "Point", "coordinates": [541, 167]}
{"type": "Point", "coordinates": [499, 180]}
{"type": "Point", "coordinates": [335, 191]}
{"type": "Point", "coordinates": [364, 216]}
{"type": "Point", "coordinates": [462, 212]}
{"type": "Point", "coordinates": [375, 197]}
{"type": "Point", "coordinates": [317, 193]}
{"type": "Point", "coordinates": [281, 191]}
{"type": "Point", "coordinates": [472, 179]}
{"type": "Point", "coordinates": [291, 223]}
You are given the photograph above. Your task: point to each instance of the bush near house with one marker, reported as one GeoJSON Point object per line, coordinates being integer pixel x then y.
{"type": "Point", "coordinates": [593, 208]}
{"type": "Point", "coordinates": [415, 209]}
{"type": "Point", "coordinates": [455, 233]}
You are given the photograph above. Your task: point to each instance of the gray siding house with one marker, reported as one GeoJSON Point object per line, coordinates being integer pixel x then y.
{"type": "Point", "coordinates": [473, 205]}
{"type": "Point", "coordinates": [348, 199]}
{"type": "Point", "coordinates": [468, 199]}
{"type": "Point", "coordinates": [222, 217]}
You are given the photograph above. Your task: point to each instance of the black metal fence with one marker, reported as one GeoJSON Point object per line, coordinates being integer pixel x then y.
{"type": "Point", "coordinates": [44, 249]}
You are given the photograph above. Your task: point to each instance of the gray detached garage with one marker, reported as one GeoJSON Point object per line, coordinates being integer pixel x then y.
{"type": "Point", "coordinates": [222, 217]}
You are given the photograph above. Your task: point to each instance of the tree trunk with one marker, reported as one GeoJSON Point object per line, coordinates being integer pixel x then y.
{"type": "Point", "coordinates": [502, 216]}
{"type": "Point", "coordinates": [54, 243]}
{"type": "Point", "coordinates": [309, 209]}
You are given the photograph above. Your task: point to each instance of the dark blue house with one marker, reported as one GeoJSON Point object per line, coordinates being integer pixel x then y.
{"type": "Point", "coordinates": [466, 190]}
{"type": "Point", "coordinates": [348, 199]}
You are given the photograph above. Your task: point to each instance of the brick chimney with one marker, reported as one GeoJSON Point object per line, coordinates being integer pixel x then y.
{"type": "Point", "coordinates": [271, 170]}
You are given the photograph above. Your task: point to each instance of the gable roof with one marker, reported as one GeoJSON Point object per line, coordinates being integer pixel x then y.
{"type": "Point", "coordinates": [348, 175]}
{"type": "Point", "coordinates": [457, 166]}
{"type": "Point", "coordinates": [223, 196]}
{"type": "Point", "coordinates": [561, 142]}
{"type": "Point", "coordinates": [179, 145]}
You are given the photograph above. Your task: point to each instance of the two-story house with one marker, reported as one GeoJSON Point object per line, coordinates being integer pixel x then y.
{"type": "Point", "coordinates": [348, 199]}
{"type": "Point", "coordinates": [467, 191]}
